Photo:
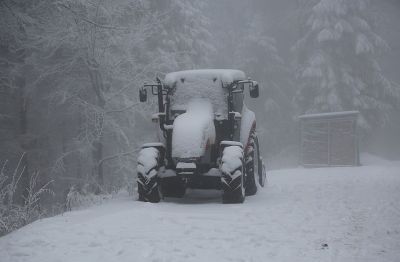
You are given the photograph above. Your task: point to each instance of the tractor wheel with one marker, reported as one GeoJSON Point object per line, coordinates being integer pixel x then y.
{"type": "Point", "coordinates": [253, 166]}
{"type": "Point", "coordinates": [147, 177]}
{"type": "Point", "coordinates": [232, 180]}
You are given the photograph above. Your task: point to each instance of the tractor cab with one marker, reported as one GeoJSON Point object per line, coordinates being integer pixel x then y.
{"type": "Point", "coordinates": [199, 112]}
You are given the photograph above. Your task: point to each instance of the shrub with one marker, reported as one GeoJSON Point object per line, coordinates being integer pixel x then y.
{"type": "Point", "coordinates": [13, 215]}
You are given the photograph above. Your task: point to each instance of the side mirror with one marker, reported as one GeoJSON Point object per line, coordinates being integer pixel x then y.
{"type": "Point", "coordinates": [254, 91]}
{"type": "Point", "coordinates": [142, 95]}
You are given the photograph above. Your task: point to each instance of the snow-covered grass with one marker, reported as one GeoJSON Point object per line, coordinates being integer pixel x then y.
{"type": "Point", "coordinates": [15, 214]}
{"type": "Point", "coordinates": [324, 214]}
{"type": "Point", "coordinates": [79, 198]}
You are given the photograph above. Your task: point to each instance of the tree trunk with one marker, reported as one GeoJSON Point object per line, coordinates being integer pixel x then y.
{"type": "Point", "coordinates": [97, 156]}
{"type": "Point", "coordinates": [97, 153]}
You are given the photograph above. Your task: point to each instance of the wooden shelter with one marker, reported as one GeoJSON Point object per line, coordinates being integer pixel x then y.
{"type": "Point", "coordinates": [329, 139]}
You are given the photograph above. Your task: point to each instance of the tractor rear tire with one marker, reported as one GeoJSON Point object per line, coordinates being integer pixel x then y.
{"type": "Point", "coordinates": [232, 181]}
{"type": "Point", "coordinates": [152, 196]}
{"type": "Point", "coordinates": [253, 165]}
{"type": "Point", "coordinates": [147, 177]}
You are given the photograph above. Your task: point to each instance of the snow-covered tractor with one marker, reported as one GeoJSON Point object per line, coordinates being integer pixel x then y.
{"type": "Point", "coordinates": [206, 137]}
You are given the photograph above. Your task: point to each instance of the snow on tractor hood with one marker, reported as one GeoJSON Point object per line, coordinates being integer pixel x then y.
{"type": "Point", "coordinates": [193, 130]}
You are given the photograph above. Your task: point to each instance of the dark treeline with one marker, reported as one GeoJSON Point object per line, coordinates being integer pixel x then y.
{"type": "Point", "coordinates": [70, 71]}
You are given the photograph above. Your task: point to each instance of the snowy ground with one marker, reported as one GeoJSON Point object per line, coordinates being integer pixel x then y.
{"type": "Point", "coordinates": [337, 214]}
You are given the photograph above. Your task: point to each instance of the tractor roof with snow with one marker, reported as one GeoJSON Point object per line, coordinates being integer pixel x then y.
{"type": "Point", "coordinates": [216, 85]}
{"type": "Point", "coordinates": [213, 75]}
{"type": "Point", "coordinates": [210, 84]}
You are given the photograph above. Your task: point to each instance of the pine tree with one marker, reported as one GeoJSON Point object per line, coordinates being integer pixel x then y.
{"type": "Point", "coordinates": [258, 55]}
{"type": "Point", "coordinates": [243, 40]}
{"type": "Point", "coordinates": [182, 39]}
{"type": "Point", "coordinates": [338, 65]}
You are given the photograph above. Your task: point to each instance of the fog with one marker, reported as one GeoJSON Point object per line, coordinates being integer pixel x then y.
{"type": "Point", "coordinates": [283, 24]}
{"type": "Point", "coordinates": [70, 72]}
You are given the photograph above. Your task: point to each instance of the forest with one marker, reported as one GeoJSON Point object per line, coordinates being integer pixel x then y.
{"type": "Point", "coordinates": [70, 71]}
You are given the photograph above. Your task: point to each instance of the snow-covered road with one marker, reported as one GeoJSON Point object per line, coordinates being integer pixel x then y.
{"type": "Point", "coordinates": [336, 214]}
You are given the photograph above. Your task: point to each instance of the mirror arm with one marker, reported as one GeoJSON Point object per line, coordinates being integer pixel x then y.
{"type": "Point", "coordinates": [160, 97]}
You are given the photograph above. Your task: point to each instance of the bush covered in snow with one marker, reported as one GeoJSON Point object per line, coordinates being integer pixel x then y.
{"type": "Point", "coordinates": [15, 214]}
{"type": "Point", "coordinates": [81, 196]}
{"type": "Point", "coordinates": [12, 214]}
